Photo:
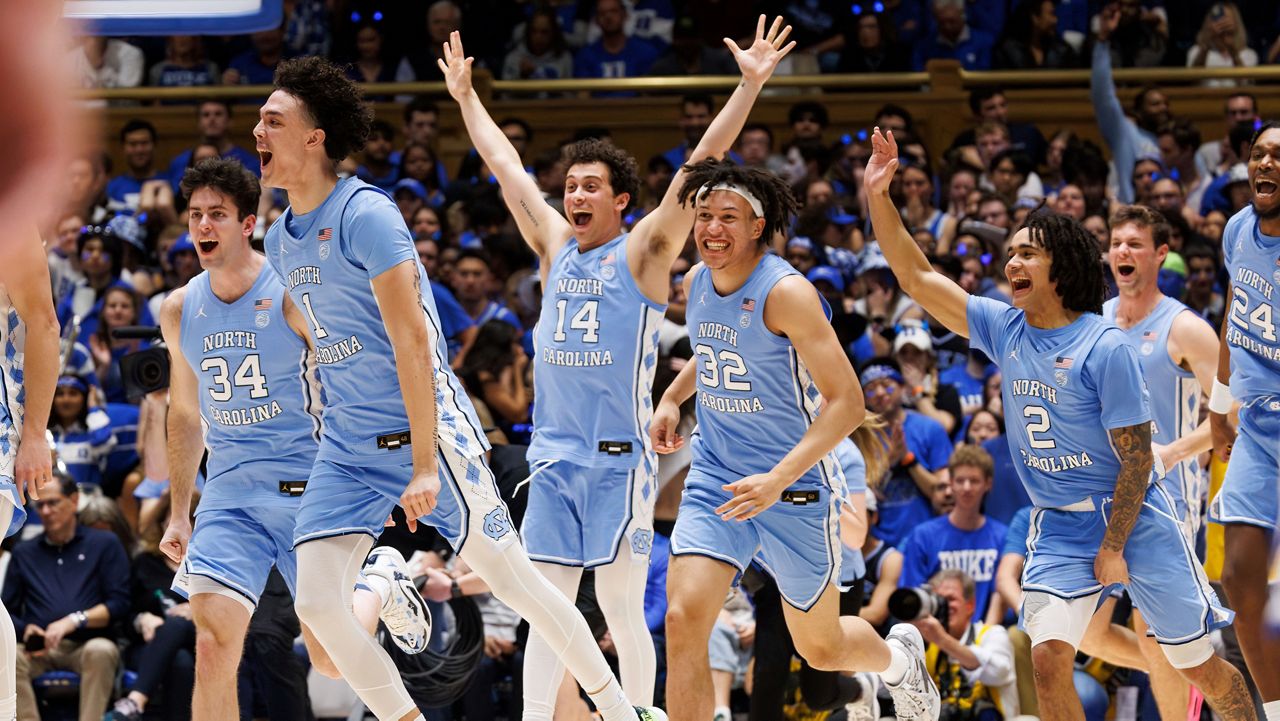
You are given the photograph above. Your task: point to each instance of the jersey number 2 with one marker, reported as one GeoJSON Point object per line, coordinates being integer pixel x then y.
{"type": "Point", "coordinates": [1040, 425]}
{"type": "Point", "coordinates": [248, 375]}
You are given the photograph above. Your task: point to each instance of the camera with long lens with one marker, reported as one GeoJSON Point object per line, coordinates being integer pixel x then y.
{"type": "Point", "coordinates": [914, 604]}
{"type": "Point", "coordinates": [144, 371]}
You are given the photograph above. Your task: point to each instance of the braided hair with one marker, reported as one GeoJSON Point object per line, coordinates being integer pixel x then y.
{"type": "Point", "coordinates": [774, 193]}
{"type": "Point", "coordinates": [1077, 263]}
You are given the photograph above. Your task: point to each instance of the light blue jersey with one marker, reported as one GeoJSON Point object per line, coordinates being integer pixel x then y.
{"type": "Point", "coordinates": [1253, 262]}
{"type": "Point", "coordinates": [259, 396]}
{"type": "Point", "coordinates": [13, 333]}
{"type": "Point", "coordinates": [755, 398]}
{"type": "Point", "coordinates": [854, 467]}
{"type": "Point", "coordinates": [1175, 396]}
{"type": "Point", "coordinates": [596, 348]}
{"type": "Point", "coordinates": [1063, 390]}
{"type": "Point", "coordinates": [328, 259]}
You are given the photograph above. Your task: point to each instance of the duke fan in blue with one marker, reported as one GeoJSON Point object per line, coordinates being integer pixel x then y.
{"type": "Point", "coordinates": [755, 399]}
{"type": "Point", "coordinates": [1063, 390]}
{"type": "Point", "coordinates": [364, 461]}
{"type": "Point", "coordinates": [260, 410]}
{"type": "Point", "coordinates": [596, 347]}
{"type": "Point", "coordinates": [1250, 492]}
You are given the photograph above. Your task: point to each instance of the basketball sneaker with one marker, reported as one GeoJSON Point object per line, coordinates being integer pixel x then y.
{"type": "Point", "coordinates": [866, 707]}
{"type": "Point", "coordinates": [403, 610]}
{"type": "Point", "coordinates": [915, 697]}
{"type": "Point", "coordinates": [650, 713]}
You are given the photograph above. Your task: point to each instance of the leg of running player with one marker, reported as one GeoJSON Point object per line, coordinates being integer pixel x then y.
{"type": "Point", "coordinates": [696, 588]}
{"type": "Point", "coordinates": [1117, 645]}
{"type": "Point", "coordinates": [1171, 690]}
{"type": "Point", "coordinates": [543, 671]}
{"type": "Point", "coordinates": [1223, 688]}
{"type": "Point", "coordinates": [831, 642]}
{"type": "Point", "coordinates": [8, 646]}
{"type": "Point", "coordinates": [1244, 578]}
{"type": "Point", "coordinates": [510, 575]}
{"type": "Point", "coordinates": [620, 592]}
{"type": "Point", "coordinates": [1054, 663]}
{"type": "Point", "coordinates": [365, 605]}
{"type": "Point", "coordinates": [221, 624]}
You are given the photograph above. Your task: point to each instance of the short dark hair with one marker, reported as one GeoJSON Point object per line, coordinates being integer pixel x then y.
{"type": "Point", "coordinates": [1076, 260]}
{"type": "Point", "coordinates": [1241, 94]}
{"type": "Point", "coordinates": [67, 485]}
{"type": "Point", "coordinates": [1269, 125]}
{"type": "Point", "coordinates": [774, 193]}
{"type": "Point", "coordinates": [528, 130]}
{"type": "Point", "coordinates": [1201, 250]}
{"type": "Point", "coordinates": [1184, 132]}
{"type": "Point", "coordinates": [757, 128]}
{"type": "Point", "coordinates": [1021, 161]}
{"type": "Point", "coordinates": [420, 104]}
{"type": "Point", "coordinates": [624, 175]}
{"type": "Point", "coordinates": [898, 110]}
{"type": "Point", "coordinates": [112, 245]}
{"type": "Point", "coordinates": [1143, 217]}
{"type": "Point", "coordinates": [334, 102]}
{"type": "Point", "coordinates": [659, 162]}
{"type": "Point", "coordinates": [809, 107]}
{"type": "Point", "coordinates": [1240, 136]}
{"type": "Point", "coordinates": [227, 177]}
{"type": "Point", "coordinates": [135, 125]}
{"type": "Point", "coordinates": [703, 99]}
{"type": "Point", "coordinates": [382, 129]}
{"type": "Point", "coordinates": [476, 254]}
{"type": "Point", "coordinates": [981, 94]}
{"type": "Point", "coordinates": [225, 103]}
{"type": "Point", "coordinates": [1143, 92]}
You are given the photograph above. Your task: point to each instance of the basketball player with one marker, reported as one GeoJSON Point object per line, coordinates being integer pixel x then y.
{"type": "Point", "coordinates": [591, 498]}
{"type": "Point", "coordinates": [243, 384]}
{"type": "Point", "coordinates": [763, 483]}
{"type": "Point", "coordinates": [1073, 389]}
{"type": "Point", "coordinates": [1249, 502]}
{"type": "Point", "coordinates": [1177, 352]}
{"type": "Point", "coordinates": [350, 266]}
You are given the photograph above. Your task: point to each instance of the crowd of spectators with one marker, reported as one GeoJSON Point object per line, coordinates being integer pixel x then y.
{"type": "Point", "coordinates": [948, 508]}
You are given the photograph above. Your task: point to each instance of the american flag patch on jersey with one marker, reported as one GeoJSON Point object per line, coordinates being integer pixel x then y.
{"type": "Point", "coordinates": [1149, 335]}
{"type": "Point", "coordinates": [262, 304]}
{"type": "Point", "coordinates": [325, 234]}
{"type": "Point", "coordinates": [749, 305]}
{"type": "Point", "coordinates": [1064, 362]}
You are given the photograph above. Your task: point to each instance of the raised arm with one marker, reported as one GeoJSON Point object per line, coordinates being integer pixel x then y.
{"type": "Point", "coordinates": [398, 293]}
{"type": "Point", "coordinates": [935, 292]}
{"type": "Point", "coordinates": [1224, 434]}
{"type": "Point", "coordinates": [663, 231]}
{"type": "Point", "coordinates": [185, 441]}
{"type": "Point", "coordinates": [27, 280]}
{"type": "Point", "coordinates": [543, 228]}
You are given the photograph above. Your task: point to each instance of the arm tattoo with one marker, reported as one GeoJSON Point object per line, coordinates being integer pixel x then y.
{"type": "Point", "coordinates": [529, 212]}
{"type": "Point", "coordinates": [1133, 444]}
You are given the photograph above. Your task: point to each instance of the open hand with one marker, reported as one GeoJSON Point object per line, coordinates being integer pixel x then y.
{"type": "Point", "coordinates": [456, 67]}
{"type": "Point", "coordinates": [758, 62]}
{"type": "Point", "coordinates": [883, 163]}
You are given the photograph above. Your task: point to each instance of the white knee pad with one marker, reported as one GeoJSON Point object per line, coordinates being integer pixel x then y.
{"type": "Point", "coordinates": [1046, 617]}
{"type": "Point", "coordinates": [1190, 654]}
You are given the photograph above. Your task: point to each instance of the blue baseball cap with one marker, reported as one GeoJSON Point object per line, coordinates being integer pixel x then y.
{"type": "Point", "coordinates": [182, 244]}
{"type": "Point", "coordinates": [801, 242]}
{"type": "Point", "coordinates": [826, 273]}
{"type": "Point", "coordinates": [838, 216]}
{"type": "Point", "coordinates": [412, 186]}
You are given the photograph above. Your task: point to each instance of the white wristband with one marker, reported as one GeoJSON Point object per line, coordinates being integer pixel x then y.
{"type": "Point", "coordinates": [1220, 399]}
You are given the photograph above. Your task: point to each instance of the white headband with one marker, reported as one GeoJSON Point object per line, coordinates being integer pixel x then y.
{"type": "Point", "coordinates": [752, 200]}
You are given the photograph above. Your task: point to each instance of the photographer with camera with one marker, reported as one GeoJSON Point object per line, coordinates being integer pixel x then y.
{"type": "Point", "coordinates": [972, 663]}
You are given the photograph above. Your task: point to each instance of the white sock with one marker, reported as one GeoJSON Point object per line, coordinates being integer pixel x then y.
{"type": "Point", "coordinates": [378, 585]}
{"type": "Point", "coordinates": [721, 712]}
{"type": "Point", "coordinates": [9, 708]}
{"type": "Point", "coordinates": [1271, 710]}
{"type": "Point", "coordinates": [612, 703]}
{"type": "Point", "coordinates": [899, 664]}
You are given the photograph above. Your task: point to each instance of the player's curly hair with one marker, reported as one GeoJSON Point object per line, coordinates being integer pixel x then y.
{"type": "Point", "coordinates": [624, 173]}
{"type": "Point", "coordinates": [335, 103]}
{"type": "Point", "coordinates": [225, 176]}
{"type": "Point", "coordinates": [1076, 261]}
{"type": "Point", "coordinates": [774, 193]}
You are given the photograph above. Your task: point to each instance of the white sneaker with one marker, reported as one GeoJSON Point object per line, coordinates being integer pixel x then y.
{"type": "Point", "coordinates": [915, 697]}
{"type": "Point", "coordinates": [867, 707]}
{"type": "Point", "coordinates": [650, 713]}
{"type": "Point", "coordinates": [404, 611]}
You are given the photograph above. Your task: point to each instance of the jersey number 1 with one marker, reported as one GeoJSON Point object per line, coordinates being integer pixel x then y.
{"type": "Point", "coordinates": [311, 315]}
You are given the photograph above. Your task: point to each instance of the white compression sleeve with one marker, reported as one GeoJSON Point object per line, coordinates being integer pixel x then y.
{"type": "Point", "coordinates": [327, 569]}
{"type": "Point", "coordinates": [543, 671]}
{"type": "Point", "coordinates": [620, 590]}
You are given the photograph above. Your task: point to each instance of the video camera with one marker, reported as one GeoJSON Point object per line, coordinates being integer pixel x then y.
{"type": "Point", "coordinates": [913, 604]}
{"type": "Point", "coordinates": [147, 370]}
